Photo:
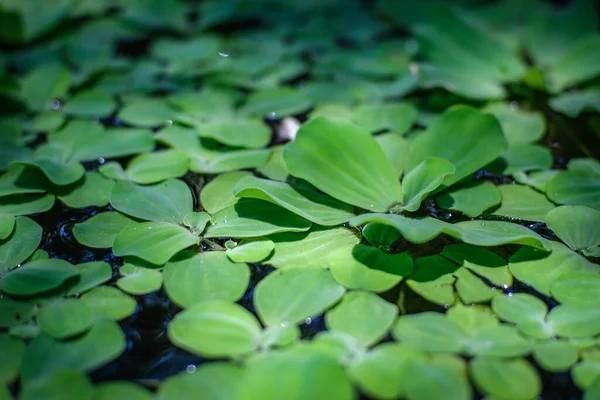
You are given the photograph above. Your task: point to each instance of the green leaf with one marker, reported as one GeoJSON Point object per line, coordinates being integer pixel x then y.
{"type": "Point", "coordinates": [253, 218]}
{"type": "Point", "coordinates": [593, 391]}
{"type": "Point", "coordinates": [13, 312]}
{"type": "Point", "coordinates": [484, 62]}
{"type": "Point", "coordinates": [575, 188]}
{"type": "Point", "coordinates": [496, 233]}
{"type": "Point", "coordinates": [138, 280]}
{"type": "Point", "coordinates": [470, 199]}
{"type": "Point", "coordinates": [47, 121]}
{"type": "Point", "coordinates": [216, 381]}
{"type": "Point", "coordinates": [442, 333]}
{"type": "Point", "coordinates": [481, 261]}
{"type": "Point", "coordinates": [576, 288]}
{"type": "Point", "coordinates": [379, 372]}
{"type": "Point", "coordinates": [328, 378]}
{"type": "Point", "coordinates": [569, 320]}
{"type": "Point", "coordinates": [158, 166]}
{"type": "Point", "coordinates": [282, 101]}
{"type": "Point", "coordinates": [522, 202]}
{"type": "Point", "coordinates": [412, 229]}
{"type": "Point", "coordinates": [506, 379]}
{"type": "Point", "coordinates": [291, 295]}
{"type": "Point", "coordinates": [553, 30]}
{"type": "Point", "coordinates": [26, 204]}
{"type": "Point", "coordinates": [37, 277]}
{"type": "Point", "coordinates": [275, 168]}
{"type": "Point", "coordinates": [23, 180]}
{"type": "Point", "coordinates": [10, 358]}
{"type": "Point", "coordinates": [368, 268]}
{"type": "Point", "coordinates": [488, 233]}
{"type": "Point", "coordinates": [249, 251]}
{"type": "Point", "coordinates": [196, 222]}
{"type": "Point", "coordinates": [65, 318]}
{"type": "Point", "coordinates": [121, 390]}
{"type": "Point", "coordinates": [101, 230]}
{"type": "Point", "coordinates": [363, 315]}
{"type": "Point", "coordinates": [464, 136]}
{"type": "Point", "coordinates": [45, 84]}
{"type": "Point", "coordinates": [536, 179]}
{"type": "Point", "coordinates": [437, 377]}
{"type": "Point", "coordinates": [109, 302]}
{"type": "Point", "coordinates": [395, 148]}
{"type": "Point", "coordinates": [555, 355]}
{"type": "Point", "coordinates": [247, 133]}
{"type": "Point", "coordinates": [519, 126]}
{"type": "Point", "coordinates": [540, 269]}
{"type": "Point", "coordinates": [576, 65]}
{"type": "Point", "coordinates": [155, 242]}
{"type": "Point", "coordinates": [7, 223]}
{"type": "Point", "coordinates": [91, 274]}
{"type": "Point", "coordinates": [215, 329]}
{"type": "Point", "coordinates": [209, 157]}
{"type": "Point", "coordinates": [345, 162]}
{"type": "Point", "coordinates": [146, 113]}
{"type": "Point", "coordinates": [86, 140]}
{"type": "Point", "coordinates": [91, 104]}
{"type": "Point", "coordinates": [58, 171]}
{"type": "Point", "coordinates": [396, 117]}
{"type": "Point", "coordinates": [430, 332]}
{"type": "Point", "coordinates": [526, 311]}
{"type": "Point", "coordinates": [574, 103]}
{"type": "Point", "coordinates": [424, 179]}
{"type": "Point", "coordinates": [218, 193]}
{"type": "Point", "coordinates": [64, 384]}
{"type": "Point", "coordinates": [309, 249]}
{"type": "Point", "coordinates": [99, 346]}
{"type": "Point", "coordinates": [91, 191]}
{"type": "Point", "coordinates": [192, 278]}
{"type": "Point", "coordinates": [303, 201]}
{"type": "Point", "coordinates": [169, 201]}
{"type": "Point", "coordinates": [574, 225]}
{"type": "Point", "coordinates": [586, 372]}
{"type": "Point", "coordinates": [522, 157]}
{"type": "Point", "coordinates": [380, 235]}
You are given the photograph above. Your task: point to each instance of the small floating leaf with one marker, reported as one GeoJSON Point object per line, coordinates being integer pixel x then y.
{"type": "Point", "coordinates": [470, 199]}
{"type": "Point", "coordinates": [101, 230]}
{"type": "Point", "coordinates": [310, 204]}
{"type": "Point", "coordinates": [169, 201]}
{"type": "Point", "coordinates": [362, 315]}
{"type": "Point", "coordinates": [505, 379]}
{"type": "Point", "coordinates": [424, 179]}
{"type": "Point", "coordinates": [575, 225]}
{"type": "Point", "coordinates": [522, 202]}
{"type": "Point", "coordinates": [138, 280]}
{"type": "Point", "coordinates": [155, 242]}
{"type": "Point", "coordinates": [254, 218]}
{"type": "Point", "coordinates": [467, 138]}
{"type": "Point", "coordinates": [215, 381]}
{"type": "Point", "coordinates": [345, 162]}
{"type": "Point", "coordinates": [100, 345]}
{"type": "Point", "coordinates": [196, 277]}
{"type": "Point", "coordinates": [37, 277]}
{"type": "Point", "coordinates": [218, 193]}
{"type": "Point", "coordinates": [289, 296]}
{"type": "Point", "coordinates": [327, 377]}
{"type": "Point", "coordinates": [65, 318]}
{"type": "Point", "coordinates": [215, 329]}
{"type": "Point", "coordinates": [109, 302]}
{"type": "Point", "coordinates": [251, 250]}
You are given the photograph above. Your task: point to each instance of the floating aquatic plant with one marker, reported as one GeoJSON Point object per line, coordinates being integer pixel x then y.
{"type": "Point", "coordinates": [299, 200]}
